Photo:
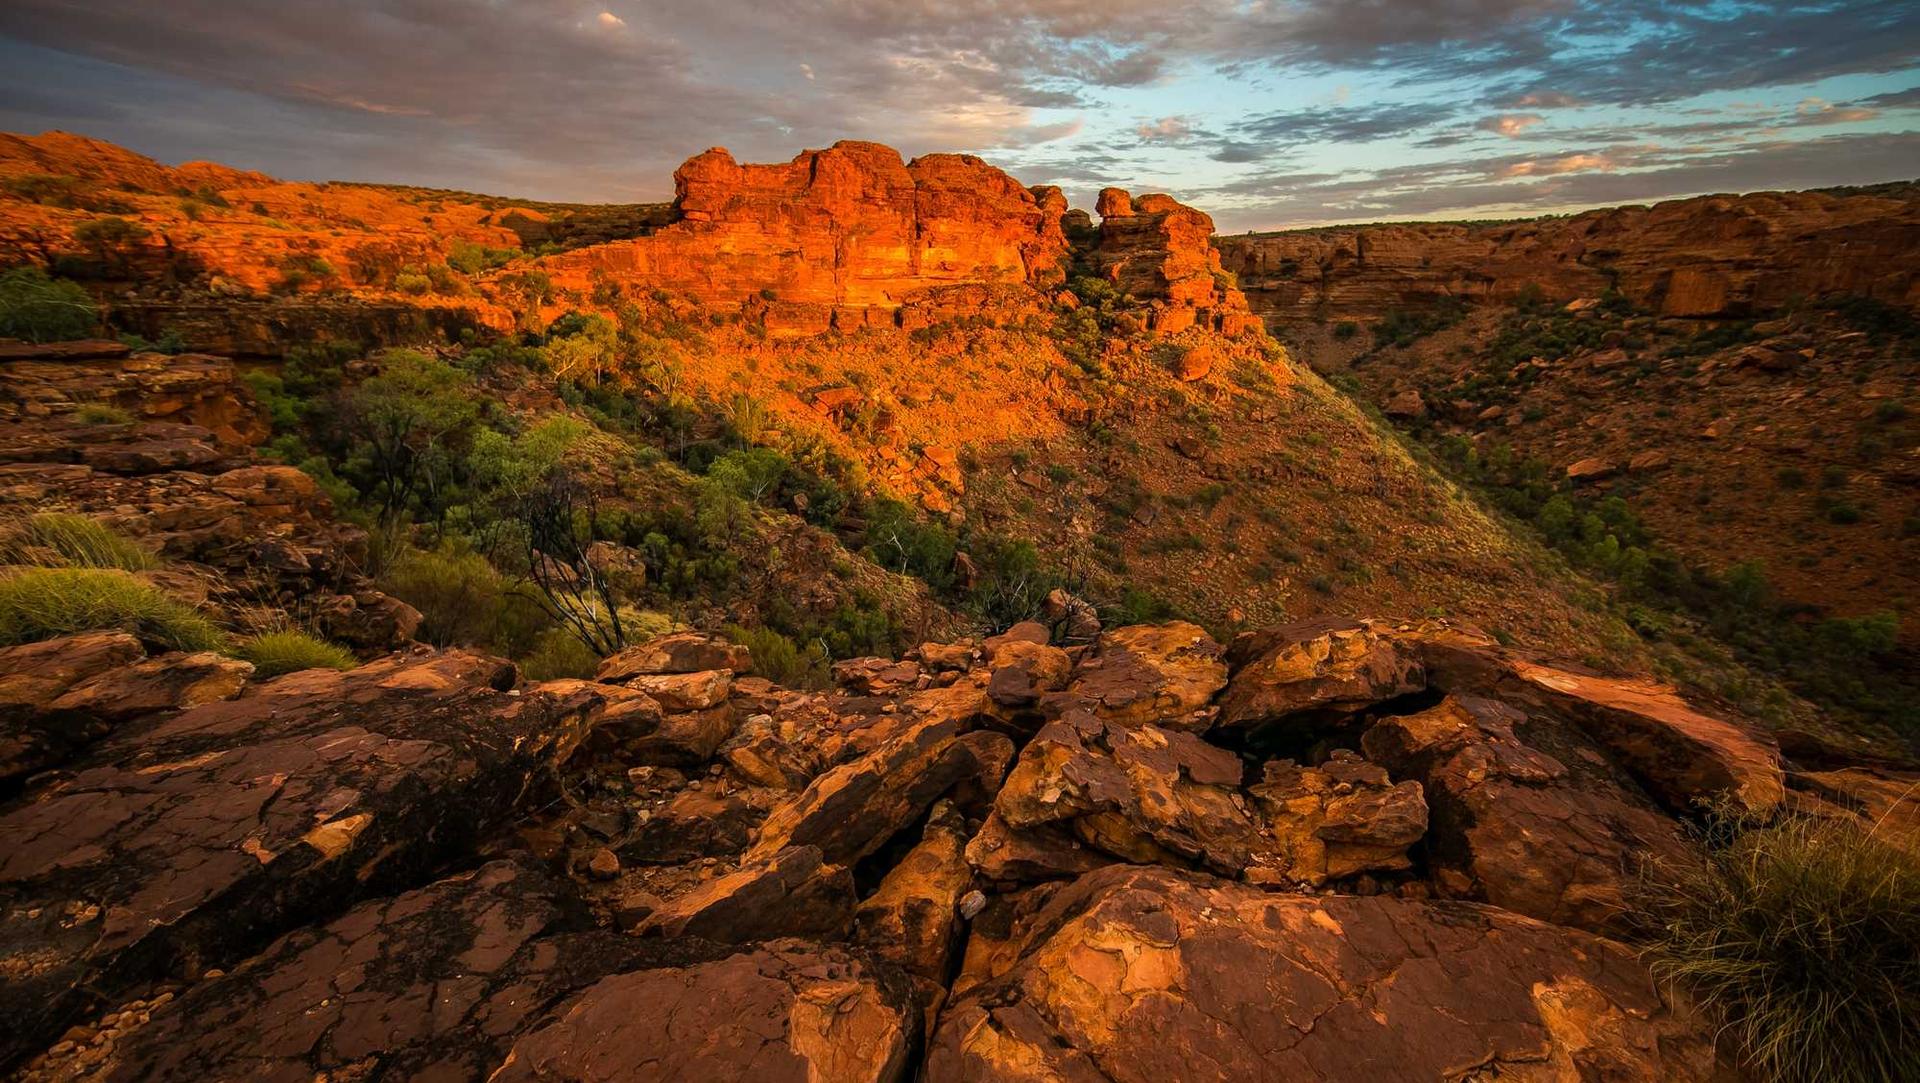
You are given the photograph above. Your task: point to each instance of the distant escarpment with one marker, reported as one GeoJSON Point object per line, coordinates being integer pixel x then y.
{"type": "Point", "coordinates": [1710, 257]}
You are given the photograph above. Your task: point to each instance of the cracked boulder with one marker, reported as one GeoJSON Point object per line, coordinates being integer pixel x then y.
{"type": "Point", "coordinates": [781, 1012]}
{"type": "Point", "coordinates": [1341, 818]}
{"type": "Point", "coordinates": [1512, 825]}
{"type": "Point", "coordinates": [183, 844]}
{"type": "Point", "coordinates": [1160, 674]}
{"type": "Point", "coordinates": [1142, 975]}
{"type": "Point", "coordinates": [1314, 670]}
{"type": "Point", "coordinates": [1135, 791]}
{"type": "Point", "coordinates": [853, 809]}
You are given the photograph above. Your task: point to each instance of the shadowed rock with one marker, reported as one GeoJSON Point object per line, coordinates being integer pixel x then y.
{"type": "Point", "coordinates": [183, 844]}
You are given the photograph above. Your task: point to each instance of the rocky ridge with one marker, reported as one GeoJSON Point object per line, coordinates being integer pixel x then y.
{"type": "Point", "coordinates": [1344, 849]}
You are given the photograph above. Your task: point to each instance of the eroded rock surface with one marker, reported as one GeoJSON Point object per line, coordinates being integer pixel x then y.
{"type": "Point", "coordinates": [1152, 975]}
{"type": "Point", "coordinates": [180, 845]}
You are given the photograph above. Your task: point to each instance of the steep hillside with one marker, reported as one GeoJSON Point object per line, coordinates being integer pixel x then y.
{"type": "Point", "coordinates": [1727, 382]}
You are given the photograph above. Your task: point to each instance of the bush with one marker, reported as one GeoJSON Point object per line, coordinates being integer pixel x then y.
{"type": "Point", "coordinates": [1805, 939]}
{"type": "Point", "coordinates": [46, 603]}
{"type": "Point", "coordinates": [464, 601]}
{"type": "Point", "coordinates": [780, 660]}
{"type": "Point", "coordinates": [102, 413]}
{"type": "Point", "coordinates": [291, 651]}
{"type": "Point", "coordinates": [559, 654]}
{"type": "Point", "coordinates": [78, 541]}
{"type": "Point", "coordinates": [42, 309]}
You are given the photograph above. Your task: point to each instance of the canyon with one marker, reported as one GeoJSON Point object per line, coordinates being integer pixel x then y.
{"type": "Point", "coordinates": [869, 620]}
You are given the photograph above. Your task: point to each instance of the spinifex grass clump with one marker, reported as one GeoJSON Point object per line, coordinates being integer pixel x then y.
{"type": "Point", "coordinates": [44, 603]}
{"type": "Point", "coordinates": [1804, 938]}
{"type": "Point", "coordinates": [291, 650]}
{"type": "Point", "coordinates": [73, 541]}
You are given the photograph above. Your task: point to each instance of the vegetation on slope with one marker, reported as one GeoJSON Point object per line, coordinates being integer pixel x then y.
{"type": "Point", "coordinates": [1804, 937]}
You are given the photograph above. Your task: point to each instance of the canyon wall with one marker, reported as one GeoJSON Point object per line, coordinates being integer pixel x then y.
{"type": "Point", "coordinates": [1709, 257]}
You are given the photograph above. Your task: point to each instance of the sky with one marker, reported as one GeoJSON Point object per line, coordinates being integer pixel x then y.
{"type": "Point", "coordinates": [1268, 114]}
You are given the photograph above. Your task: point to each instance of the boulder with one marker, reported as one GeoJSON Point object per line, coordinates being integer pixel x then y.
{"type": "Point", "coordinates": [1341, 818]}
{"type": "Point", "coordinates": [166, 682]}
{"type": "Point", "coordinates": [1591, 469]}
{"type": "Point", "coordinates": [782, 1012]}
{"type": "Point", "coordinates": [1408, 405]}
{"type": "Point", "coordinates": [681, 652]}
{"type": "Point", "coordinates": [789, 893]}
{"type": "Point", "coordinates": [1314, 669]}
{"type": "Point", "coordinates": [1008, 855]}
{"type": "Point", "coordinates": [912, 919]}
{"type": "Point", "coordinates": [1163, 674]}
{"type": "Point", "coordinates": [1680, 754]}
{"type": "Point", "coordinates": [1143, 975]}
{"type": "Point", "coordinates": [1517, 827]}
{"type": "Point", "coordinates": [1137, 792]}
{"type": "Point", "coordinates": [853, 809]}
{"type": "Point", "coordinates": [35, 675]}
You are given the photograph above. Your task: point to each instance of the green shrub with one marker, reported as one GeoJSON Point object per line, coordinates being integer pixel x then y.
{"type": "Point", "coordinates": [42, 309]}
{"type": "Point", "coordinates": [1805, 939]}
{"type": "Point", "coordinates": [79, 542]}
{"type": "Point", "coordinates": [559, 654]}
{"type": "Point", "coordinates": [102, 413]}
{"type": "Point", "coordinates": [464, 601]}
{"type": "Point", "coordinates": [45, 603]}
{"type": "Point", "coordinates": [290, 651]}
{"type": "Point", "coordinates": [781, 660]}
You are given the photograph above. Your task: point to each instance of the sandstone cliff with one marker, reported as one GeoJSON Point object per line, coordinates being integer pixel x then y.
{"type": "Point", "coordinates": [1714, 256]}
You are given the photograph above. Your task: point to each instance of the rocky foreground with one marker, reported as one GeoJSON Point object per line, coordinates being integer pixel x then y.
{"type": "Point", "coordinates": [1341, 851]}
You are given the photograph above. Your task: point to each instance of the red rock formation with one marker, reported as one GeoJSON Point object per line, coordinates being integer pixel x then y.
{"type": "Point", "coordinates": [1714, 256]}
{"type": "Point", "coordinates": [844, 228]}
{"type": "Point", "coordinates": [1160, 250]}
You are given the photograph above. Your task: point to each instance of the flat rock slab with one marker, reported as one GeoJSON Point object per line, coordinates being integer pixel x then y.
{"type": "Point", "coordinates": [431, 984]}
{"type": "Point", "coordinates": [187, 843]}
{"type": "Point", "coordinates": [1145, 974]}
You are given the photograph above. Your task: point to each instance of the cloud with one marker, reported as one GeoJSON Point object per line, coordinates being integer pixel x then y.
{"type": "Point", "coordinates": [1566, 163]}
{"type": "Point", "coordinates": [1543, 99]}
{"type": "Point", "coordinates": [1503, 186]}
{"type": "Point", "coordinates": [1355, 124]}
{"type": "Point", "coordinates": [590, 103]}
{"type": "Point", "coordinates": [1164, 130]}
{"type": "Point", "coordinates": [1509, 124]}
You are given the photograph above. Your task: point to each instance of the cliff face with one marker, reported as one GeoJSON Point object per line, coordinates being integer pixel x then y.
{"type": "Point", "coordinates": [1159, 251]}
{"type": "Point", "coordinates": [851, 226]}
{"type": "Point", "coordinates": [1715, 256]}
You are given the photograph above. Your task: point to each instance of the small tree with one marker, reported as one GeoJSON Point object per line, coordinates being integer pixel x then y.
{"type": "Point", "coordinates": [558, 517]}
{"type": "Point", "coordinates": [112, 241]}
{"type": "Point", "coordinates": [405, 420]}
